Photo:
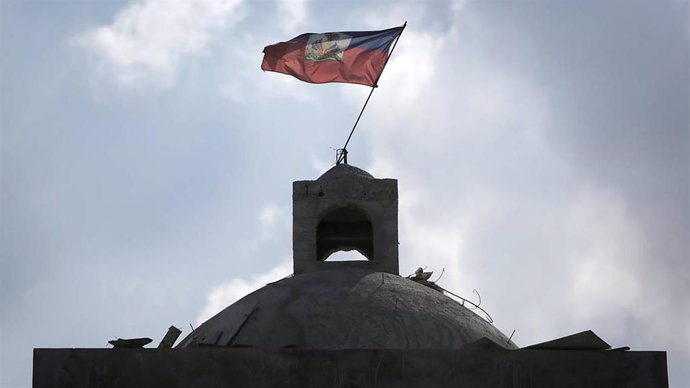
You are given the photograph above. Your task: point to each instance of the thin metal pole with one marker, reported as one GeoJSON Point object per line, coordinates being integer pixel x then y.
{"type": "Point", "coordinates": [344, 153]}
{"type": "Point", "coordinates": [358, 117]}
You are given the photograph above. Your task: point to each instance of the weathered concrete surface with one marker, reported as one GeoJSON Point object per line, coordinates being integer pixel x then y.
{"type": "Point", "coordinates": [346, 309]}
{"type": "Point", "coordinates": [346, 187]}
{"type": "Point", "coordinates": [256, 368]}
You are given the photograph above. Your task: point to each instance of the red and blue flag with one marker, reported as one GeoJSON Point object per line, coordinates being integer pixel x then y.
{"type": "Point", "coordinates": [356, 57]}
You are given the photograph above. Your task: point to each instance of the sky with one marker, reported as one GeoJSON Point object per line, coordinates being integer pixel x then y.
{"type": "Point", "coordinates": [542, 151]}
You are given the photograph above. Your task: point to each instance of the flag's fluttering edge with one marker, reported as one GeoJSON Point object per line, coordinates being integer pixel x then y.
{"type": "Point", "coordinates": [351, 57]}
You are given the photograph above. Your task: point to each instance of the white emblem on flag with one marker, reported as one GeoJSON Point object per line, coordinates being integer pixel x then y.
{"type": "Point", "coordinates": [326, 47]}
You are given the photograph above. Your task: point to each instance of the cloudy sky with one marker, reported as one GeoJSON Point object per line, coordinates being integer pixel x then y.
{"type": "Point", "coordinates": [542, 152]}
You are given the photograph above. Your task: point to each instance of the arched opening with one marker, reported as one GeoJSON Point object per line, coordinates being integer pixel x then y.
{"type": "Point", "coordinates": [345, 229]}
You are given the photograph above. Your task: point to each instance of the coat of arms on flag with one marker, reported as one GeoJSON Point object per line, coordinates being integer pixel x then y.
{"type": "Point", "coordinates": [326, 47]}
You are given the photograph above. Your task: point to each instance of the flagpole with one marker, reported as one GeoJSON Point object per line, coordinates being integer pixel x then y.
{"type": "Point", "coordinates": [341, 154]}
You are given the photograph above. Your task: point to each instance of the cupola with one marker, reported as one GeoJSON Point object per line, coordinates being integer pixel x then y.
{"type": "Point", "coordinates": [345, 209]}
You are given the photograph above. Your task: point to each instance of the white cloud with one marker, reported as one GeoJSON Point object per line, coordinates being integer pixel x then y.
{"type": "Point", "coordinates": [320, 165]}
{"type": "Point", "coordinates": [383, 167]}
{"type": "Point", "coordinates": [230, 292]}
{"type": "Point", "coordinates": [457, 6]}
{"type": "Point", "coordinates": [604, 252]}
{"type": "Point", "coordinates": [293, 14]}
{"type": "Point", "coordinates": [610, 275]}
{"type": "Point", "coordinates": [271, 217]}
{"type": "Point", "coordinates": [148, 39]}
{"type": "Point", "coordinates": [412, 65]}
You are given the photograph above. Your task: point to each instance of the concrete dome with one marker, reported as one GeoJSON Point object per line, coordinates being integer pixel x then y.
{"type": "Point", "coordinates": [345, 309]}
{"type": "Point", "coordinates": [341, 171]}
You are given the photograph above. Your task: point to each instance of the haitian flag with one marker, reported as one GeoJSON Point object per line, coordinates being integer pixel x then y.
{"type": "Point", "coordinates": [351, 57]}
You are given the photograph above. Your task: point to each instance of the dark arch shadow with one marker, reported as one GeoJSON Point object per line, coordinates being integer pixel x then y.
{"type": "Point", "coordinates": [344, 229]}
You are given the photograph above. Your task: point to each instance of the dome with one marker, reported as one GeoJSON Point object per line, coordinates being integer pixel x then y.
{"type": "Point", "coordinates": [340, 171]}
{"type": "Point", "coordinates": [345, 309]}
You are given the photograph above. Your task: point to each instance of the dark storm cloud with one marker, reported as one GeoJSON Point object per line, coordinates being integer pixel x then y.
{"type": "Point", "coordinates": [569, 180]}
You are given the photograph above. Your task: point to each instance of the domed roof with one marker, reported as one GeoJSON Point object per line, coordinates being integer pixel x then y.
{"type": "Point", "coordinates": [340, 171]}
{"type": "Point", "coordinates": [345, 309]}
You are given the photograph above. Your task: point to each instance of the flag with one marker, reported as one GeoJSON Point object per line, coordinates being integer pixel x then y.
{"type": "Point", "coordinates": [350, 57]}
